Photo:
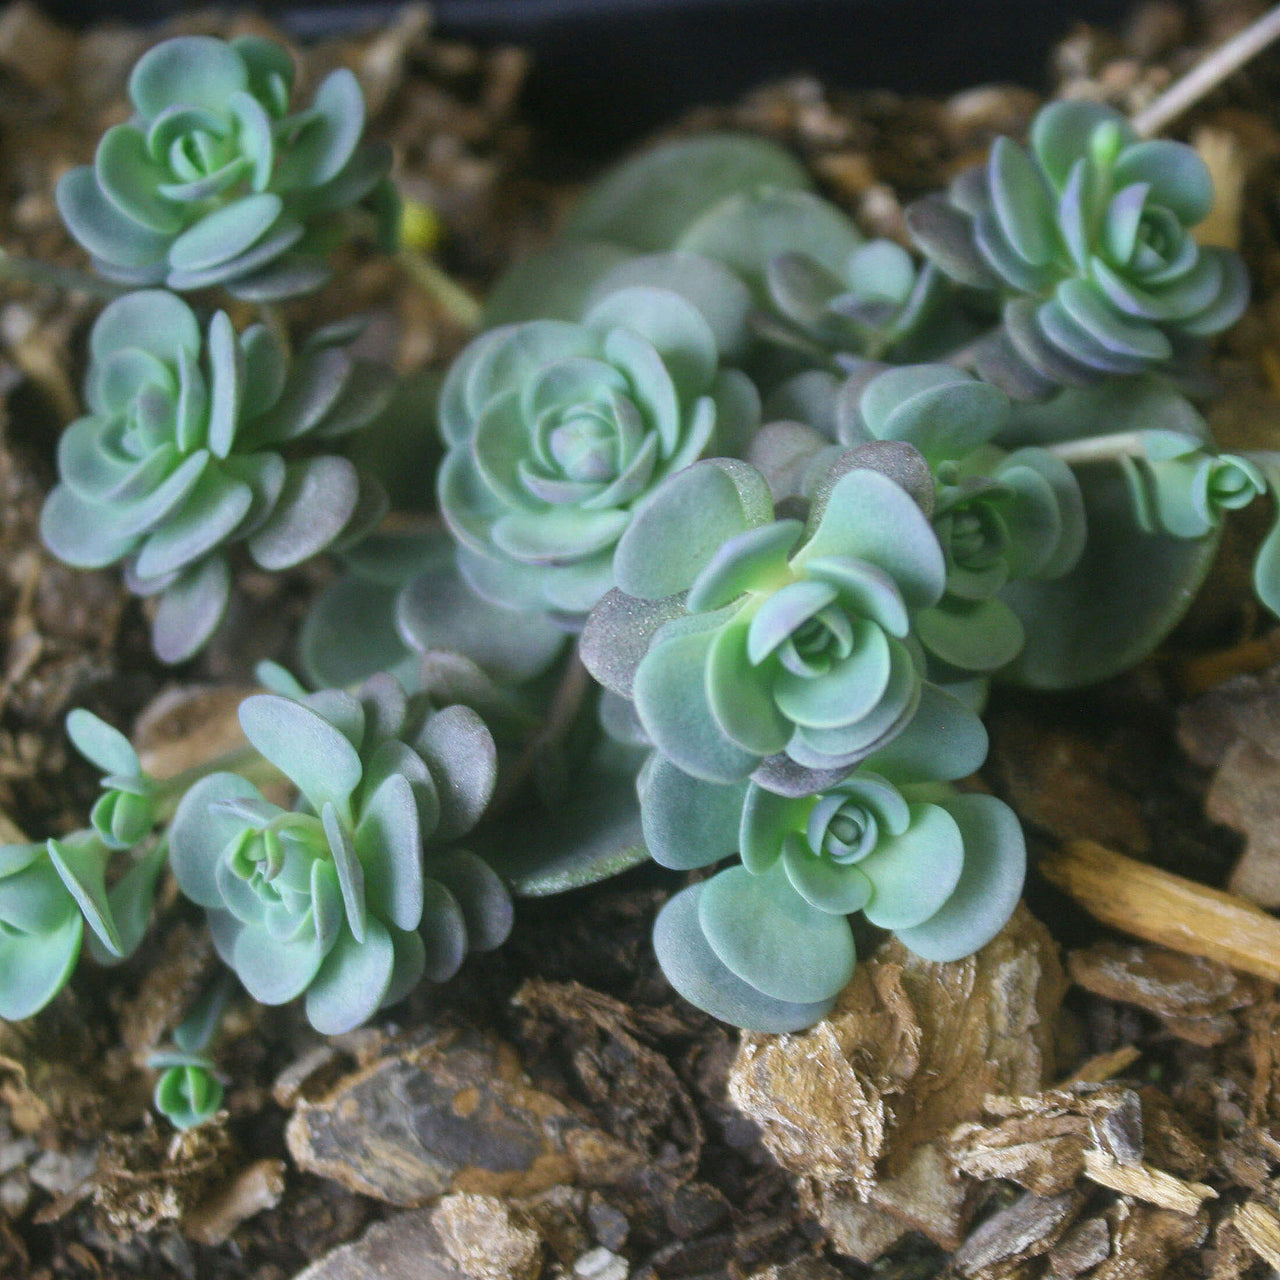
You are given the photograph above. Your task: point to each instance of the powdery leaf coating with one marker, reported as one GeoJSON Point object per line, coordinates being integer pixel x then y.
{"type": "Point", "coordinates": [214, 181]}
{"type": "Point", "coordinates": [329, 899]}
{"type": "Point", "coordinates": [944, 871]}
{"type": "Point", "coordinates": [1088, 236]}
{"type": "Point", "coordinates": [790, 652]}
{"type": "Point", "coordinates": [556, 431]}
{"type": "Point", "coordinates": [189, 446]}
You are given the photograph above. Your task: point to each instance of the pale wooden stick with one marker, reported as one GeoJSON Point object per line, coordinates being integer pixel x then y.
{"type": "Point", "coordinates": [1203, 78]}
{"type": "Point", "coordinates": [1167, 909]}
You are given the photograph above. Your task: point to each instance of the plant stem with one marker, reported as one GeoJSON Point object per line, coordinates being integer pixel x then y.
{"type": "Point", "coordinates": [242, 760]}
{"type": "Point", "coordinates": [1121, 444]}
{"type": "Point", "coordinates": [964, 357]}
{"type": "Point", "coordinates": [33, 271]}
{"type": "Point", "coordinates": [1226, 59]}
{"type": "Point", "coordinates": [565, 704]}
{"type": "Point", "coordinates": [448, 293]}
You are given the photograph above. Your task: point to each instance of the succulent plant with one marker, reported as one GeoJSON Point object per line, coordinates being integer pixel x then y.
{"type": "Point", "coordinates": [188, 1092]}
{"type": "Point", "coordinates": [767, 944]}
{"type": "Point", "coordinates": [1088, 238]}
{"type": "Point", "coordinates": [192, 443]}
{"type": "Point", "coordinates": [872, 308]}
{"type": "Point", "coordinates": [999, 515]}
{"type": "Point", "coordinates": [47, 893]}
{"type": "Point", "coordinates": [556, 431]}
{"type": "Point", "coordinates": [125, 813]}
{"type": "Point", "coordinates": [754, 645]}
{"type": "Point", "coordinates": [214, 181]}
{"type": "Point", "coordinates": [333, 899]}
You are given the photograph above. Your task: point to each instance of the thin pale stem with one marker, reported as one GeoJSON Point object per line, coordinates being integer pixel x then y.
{"type": "Point", "coordinates": [33, 271]}
{"type": "Point", "coordinates": [242, 760]}
{"type": "Point", "coordinates": [1122, 444]}
{"type": "Point", "coordinates": [574, 685]}
{"type": "Point", "coordinates": [444, 290]}
{"type": "Point", "coordinates": [274, 320]}
{"type": "Point", "coordinates": [1202, 79]}
{"type": "Point", "coordinates": [964, 357]}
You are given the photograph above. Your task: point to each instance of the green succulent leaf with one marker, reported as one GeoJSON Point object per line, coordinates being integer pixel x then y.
{"type": "Point", "coordinates": [751, 923]}
{"type": "Point", "coordinates": [687, 823]}
{"type": "Point", "coordinates": [648, 202]}
{"type": "Point", "coordinates": [212, 182]}
{"type": "Point", "coordinates": [989, 885]}
{"type": "Point", "coordinates": [698, 974]}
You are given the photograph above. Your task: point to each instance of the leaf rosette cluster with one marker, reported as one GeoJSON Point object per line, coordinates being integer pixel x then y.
{"type": "Point", "coordinates": [214, 180]}
{"type": "Point", "coordinates": [334, 899]}
{"type": "Point", "coordinates": [767, 943]}
{"type": "Point", "coordinates": [776, 647]}
{"type": "Point", "coordinates": [999, 515]}
{"type": "Point", "coordinates": [48, 892]}
{"type": "Point", "coordinates": [1088, 237]}
{"type": "Point", "coordinates": [191, 443]}
{"type": "Point", "coordinates": [556, 431]}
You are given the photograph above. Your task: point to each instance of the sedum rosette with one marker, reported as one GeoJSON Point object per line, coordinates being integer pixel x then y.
{"type": "Point", "coordinates": [191, 444]}
{"type": "Point", "coordinates": [1088, 237]}
{"type": "Point", "coordinates": [333, 899]}
{"type": "Point", "coordinates": [557, 430]}
{"type": "Point", "coordinates": [214, 180]}
{"type": "Point", "coordinates": [767, 944]}
{"type": "Point", "coordinates": [752, 645]}
{"type": "Point", "coordinates": [999, 516]}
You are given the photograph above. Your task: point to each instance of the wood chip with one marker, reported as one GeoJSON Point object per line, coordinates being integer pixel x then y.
{"type": "Point", "coordinates": [1025, 1229]}
{"type": "Point", "coordinates": [912, 1049]}
{"type": "Point", "coordinates": [1146, 1184]}
{"type": "Point", "coordinates": [1192, 996]}
{"type": "Point", "coordinates": [1260, 1226]}
{"type": "Point", "coordinates": [252, 1190]}
{"type": "Point", "coordinates": [1175, 912]}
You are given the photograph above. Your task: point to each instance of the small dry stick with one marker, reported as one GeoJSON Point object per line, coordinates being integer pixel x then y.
{"type": "Point", "coordinates": [1223, 62]}
{"type": "Point", "coordinates": [1167, 909]}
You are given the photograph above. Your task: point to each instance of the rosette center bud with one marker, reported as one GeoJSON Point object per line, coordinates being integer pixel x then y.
{"type": "Point", "coordinates": [841, 827]}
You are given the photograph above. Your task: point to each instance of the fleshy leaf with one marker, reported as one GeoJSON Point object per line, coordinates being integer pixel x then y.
{"type": "Point", "coordinates": [649, 201]}
{"type": "Point", "coordinates": [307, 749]}
{"type": "Point", "coordinates": [687, 823]}
{"type": "Point", "coordinates": [989, 885]}
{"type": "Point", "coordinates": [770, 937]}
{"type": "Point", "coordinates": [697, 973]}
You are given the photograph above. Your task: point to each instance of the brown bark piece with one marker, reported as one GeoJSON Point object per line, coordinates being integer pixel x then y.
{"type": "Point", "coordinates": [912, 1049]}
{"type": "Point", "coordinates": [1145, 1240]}
{"type": "Point", "coordinates": [1063, 783]}
{"type": "Point", "coordinates": [1194, 997]}
{"type": "Point", "coordinates": [1086, 1245]}
{"type": "Point", "coordinates": [1242, 796]}
{"type": "Point", "coordinates": [445, 1111]}
{"type": "Point", "coordinates": [1027, 1228]}
{"type": "Point", "coordinates": [1259, 1225]}
{"type": "Point", "coordinates": [405, 1247]}
{"type": "Point", "coordinates": [486, 1239]}
{"type": "Point", "coordinates": [1170, 910]}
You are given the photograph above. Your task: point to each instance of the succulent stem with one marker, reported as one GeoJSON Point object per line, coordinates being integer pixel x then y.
{"type": "Point", "coordinates": [1202, 79]}
{"type": "Point", "coordinates": [33, 271]}
{"type": "Point", "coordinates": [964, 357]}
{"type": "Point", "coordinates": [1110, 448]}
{"type": "Point", "coordinates": [438, 286]}
{"type": "Point", "coordinates": [274, 320]}
{"type": "Point", "coordinates": [242, 760]}
{"type": "Point", "coordinates": [575, 683]}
